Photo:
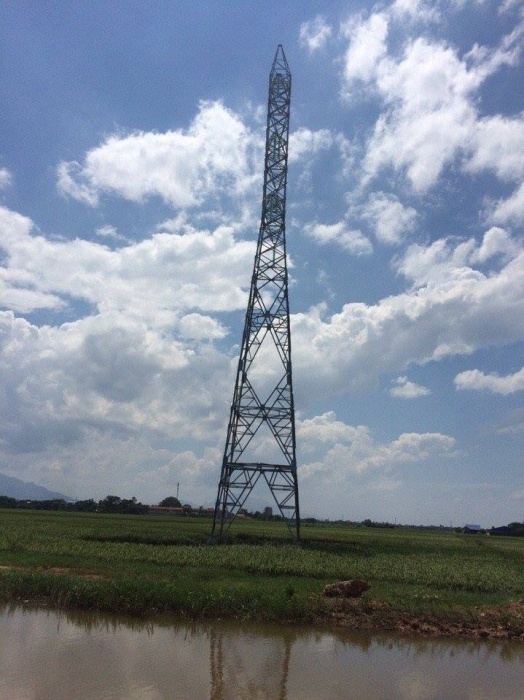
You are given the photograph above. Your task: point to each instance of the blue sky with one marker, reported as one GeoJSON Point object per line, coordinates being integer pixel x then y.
{"type": "Point", "coordinates": [131, 150]}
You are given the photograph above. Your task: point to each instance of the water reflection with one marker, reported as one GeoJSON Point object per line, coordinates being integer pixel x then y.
{"type": "Point", "coordinates": [230, 675]}
{"type": "Point", "coordinates": [48, 654]}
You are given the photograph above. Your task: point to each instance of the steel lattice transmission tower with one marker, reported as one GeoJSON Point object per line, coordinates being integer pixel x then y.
{"type": "Point", "coordinates": [261, 432]}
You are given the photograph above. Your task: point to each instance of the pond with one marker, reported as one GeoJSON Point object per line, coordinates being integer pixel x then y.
{"type": "Point", "coordinates": [47, 654]}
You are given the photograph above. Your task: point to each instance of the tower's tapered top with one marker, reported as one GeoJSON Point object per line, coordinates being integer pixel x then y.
{"type": "Point", "coordinates": [280, 64]}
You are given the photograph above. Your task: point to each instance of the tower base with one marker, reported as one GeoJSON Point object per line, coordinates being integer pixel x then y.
{"type": "Point", "coordinates": [239, 479]}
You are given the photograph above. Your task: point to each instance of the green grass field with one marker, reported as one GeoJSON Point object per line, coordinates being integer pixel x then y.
{"type": "Point", "coordinates": [151, 564]}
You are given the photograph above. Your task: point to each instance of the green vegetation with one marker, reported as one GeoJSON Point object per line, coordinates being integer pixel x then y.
{"type": "Point", "coordinates": [110, 504]}
{"type": "Point", "coordinates": [170, 502]}
{"type": "Point", "coordinates": [149, 564]}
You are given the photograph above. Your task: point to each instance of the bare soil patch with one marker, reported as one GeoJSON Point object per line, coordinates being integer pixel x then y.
{"type": "Point", "coordinates": [482, 622]}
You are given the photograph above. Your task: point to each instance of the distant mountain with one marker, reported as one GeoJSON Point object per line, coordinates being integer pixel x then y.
{"type": "Point", "coordinates": [15, 488]}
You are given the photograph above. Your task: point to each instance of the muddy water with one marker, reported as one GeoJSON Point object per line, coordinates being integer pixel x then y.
{"type": "Point", "coordinates": [50, 655]}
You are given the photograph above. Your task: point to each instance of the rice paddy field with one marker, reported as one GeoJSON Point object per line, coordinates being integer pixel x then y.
{"type": "Point", "coordinates": [428, 581]}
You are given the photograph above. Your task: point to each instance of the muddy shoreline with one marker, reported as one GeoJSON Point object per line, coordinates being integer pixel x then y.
{"type": "Point", "coordinates": [505, 622]}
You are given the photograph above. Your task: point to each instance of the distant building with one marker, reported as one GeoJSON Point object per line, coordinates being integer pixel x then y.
{"type": "Point", "coordinates": [504, 530]}
{"type": "Point", "coordinates": [166, 510]}
{"type": "Point", "coordinates": [472, 529]}
{"type": "Point", "coordinates": [185, 510]}
{"type": "Point", "coordinates": [268, 512]}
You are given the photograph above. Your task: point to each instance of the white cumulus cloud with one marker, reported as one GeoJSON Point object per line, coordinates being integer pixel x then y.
{"type": "Point", "coordinates": [216, 153]}
{"type": "Point", "coordinates": [305, 143]}
{"type": "Point", "coordinates": [111, 232]}
{"type": "Point", "coordinates": [446, 260]}
{"type": "Point", "coordinates": [314, 33]}
{"type": "Point", "coordinates": [6, 178]}
{"type": "Point", "coordinates": [405, 389]}
{"type": "Point", "coordinates": [350, 349]}
{"type": "Point", "coordinates": [390, 220]}
{"type": "Point", "coordinates": [347, 450]}
{"type": "Point", "coordinates": [510, 210]}
{"type": "Point", "coordinates": [428, 93]}
{"type": "Point", "coordinates": [367, 47]}
{"type": "Point", "coordinates": [497, 144]}
{"type": "Point", "coordinates": [180, 266]}
{"type": "Point", "coordinates": [416, 10]}
{"type": "Point", "coordinates": [475, 380]}
{"type": "Point", "coordinates": [496, 241]}
{"type": "Point", "coordinates": [353, 241]}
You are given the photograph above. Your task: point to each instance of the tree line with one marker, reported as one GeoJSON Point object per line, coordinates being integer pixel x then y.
{"type": "Point", "coordinates": [130, 506]}
{"type": "Point", "coordinates": [109, 504]}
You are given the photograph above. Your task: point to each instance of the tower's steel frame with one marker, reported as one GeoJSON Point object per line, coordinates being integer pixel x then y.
{"type": "Point", "coordinates": [267, 322]}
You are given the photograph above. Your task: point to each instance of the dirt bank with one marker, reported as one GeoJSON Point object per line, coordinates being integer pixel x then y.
{"type": "Point", "coordinates": [481, 622]}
